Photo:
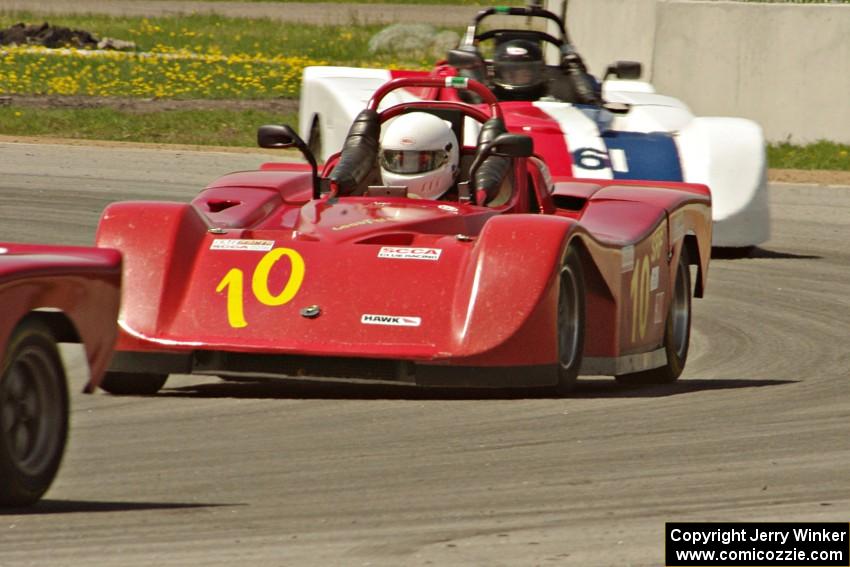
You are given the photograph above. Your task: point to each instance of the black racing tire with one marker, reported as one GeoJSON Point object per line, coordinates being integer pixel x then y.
{"type": "Point", "coordinates": [314, 140]}
{"type": "Point", "coordinates": [133, 383]}
{"type": "Point", "coordinates": [571, 321]}
{"type": "Point", "coordinates": [33, 414]}
{"type": "Point", "coordinates": [677, 332]}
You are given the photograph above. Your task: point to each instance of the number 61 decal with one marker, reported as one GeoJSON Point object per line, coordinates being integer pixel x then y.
{"type": "Point", "coordinates": [233, 282]}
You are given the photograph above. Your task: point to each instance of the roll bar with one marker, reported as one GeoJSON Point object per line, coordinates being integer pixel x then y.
{"type": "Point", "coordinates": [438, 82]}
{"type": "Point", "coordinates": [404, 107]}
{"type": "Point", "coordinates": [527, 11]}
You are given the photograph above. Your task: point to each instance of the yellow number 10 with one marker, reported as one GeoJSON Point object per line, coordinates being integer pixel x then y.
{"type": "Point", "coordinates": [640, 298]}
{"type": "Point", "coordinates": [233, 282]}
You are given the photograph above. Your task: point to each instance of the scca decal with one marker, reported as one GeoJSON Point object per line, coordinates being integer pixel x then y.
{"type": "Point", "coordinates": [407, 253]}
{"type": "Point", "coordinates": [233, 282]}
{"type": "Point", "coordinates": [242, 245]}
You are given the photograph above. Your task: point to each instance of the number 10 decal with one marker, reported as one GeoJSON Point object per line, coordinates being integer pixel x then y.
{"type": "Point", "coordinates": [644, 282]}
{"type": "Point", "coordinates": [640, 298]}
{"type": "Point", "coordinates": [233, 281]}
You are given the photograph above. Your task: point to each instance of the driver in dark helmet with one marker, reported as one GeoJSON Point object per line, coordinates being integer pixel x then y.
{"type": "Point", "coordinates": [519, 72]}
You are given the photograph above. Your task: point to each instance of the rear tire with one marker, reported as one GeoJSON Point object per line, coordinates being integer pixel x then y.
{"type": "Point", "coordinates": [33, 414]}
{"type": "Point", "coordinates": [132, 383]}
{"type": "Point", "coordinates": [677, 332]}
{"type": "Point", "coordinates": [571, 321]}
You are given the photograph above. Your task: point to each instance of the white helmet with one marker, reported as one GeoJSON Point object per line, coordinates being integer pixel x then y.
{"type": "Point", "coordinates": [419, 151]}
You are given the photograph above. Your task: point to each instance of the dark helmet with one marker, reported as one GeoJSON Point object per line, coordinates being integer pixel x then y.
{"type": "Point", "coordinates": [519, 70]}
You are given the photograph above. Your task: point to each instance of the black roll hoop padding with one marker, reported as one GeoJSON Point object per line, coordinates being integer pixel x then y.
{"type": "Point", "coordinates": [529, 11]}
{"type": "Point", "coordinates": [359, 152]}
{"type": "Point", "coordinates": [582, 83]}
{"type": "Point", "coordinates": [494, 168]}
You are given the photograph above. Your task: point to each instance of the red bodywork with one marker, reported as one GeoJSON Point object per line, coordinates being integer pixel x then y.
{"type": "Point", "coordinates": [74, 290]}
{"type": "Point", "coordinates": [255, 277]}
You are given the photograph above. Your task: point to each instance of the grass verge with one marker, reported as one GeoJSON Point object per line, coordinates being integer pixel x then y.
{"type": "Point", "coordinates": [193, 56]}
{"type": "Point", "coordinates": [195, 127]}
{"type": "Point", "coordinates": [213, 57]}
{"type": "Point", "coordinates": [820, 155]}
{"type": "Point", "coordinates": [238, 128]}
{"type": "Point", "coordinates": [197, 56]}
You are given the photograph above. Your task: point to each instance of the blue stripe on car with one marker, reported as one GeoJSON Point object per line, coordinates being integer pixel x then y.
{"type": "Point", "coordinates": [651, 156]}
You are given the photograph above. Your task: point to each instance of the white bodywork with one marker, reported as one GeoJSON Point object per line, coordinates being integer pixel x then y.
{"type": "Point", "coordinates": [727, 154]}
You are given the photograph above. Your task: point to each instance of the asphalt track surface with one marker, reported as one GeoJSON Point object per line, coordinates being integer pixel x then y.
{"type": "Point", "coordinates": [293, 473]}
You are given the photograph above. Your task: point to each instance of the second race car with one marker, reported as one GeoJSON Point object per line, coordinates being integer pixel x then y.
{"type": "Point", "coordinates": [49, 294]}
{"type": "Point", "coordinates": [620, 129]}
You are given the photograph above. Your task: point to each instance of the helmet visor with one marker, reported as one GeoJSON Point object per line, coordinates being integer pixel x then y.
{"type": "Point", "coordinates": [519, 73]}
{"type": "Point", "coordinates": [413, 161]}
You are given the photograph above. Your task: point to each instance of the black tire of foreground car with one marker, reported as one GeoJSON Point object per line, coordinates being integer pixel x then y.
{"type": "Point", "coordinates": [33, 414]}
{"type": "Point", "coordinates": [677, 333]}
{"type": "Point", "coordinates": [133, 383]}
{"type": "Point", "coordinates": [571, 316]}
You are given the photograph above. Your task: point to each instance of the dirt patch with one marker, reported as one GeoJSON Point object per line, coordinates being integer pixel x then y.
{"type": "Point", "coordinates": [53, 37]}
{"type": "Point", "coordinates": [146, 104]}
{"type": "Point", "coordinates": [820, 177]}
{"type": "Point", "coordinates": [47, 35]}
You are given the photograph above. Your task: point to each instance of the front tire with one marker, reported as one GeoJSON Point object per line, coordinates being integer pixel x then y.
{"type": "Point", "coordinates": [133, 383]}
{"type": "Point", "coordinates": [571, 321]}
{"type": "Point", "coordinates": [33, 415]}
{"type": "Point", "coordinates": [677, 332]}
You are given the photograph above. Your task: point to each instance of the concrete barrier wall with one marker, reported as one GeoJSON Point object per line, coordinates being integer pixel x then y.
{"type": "Point", "coordinates": [786, 66]}
{"type": "Point", "coordinates": [605, 31]}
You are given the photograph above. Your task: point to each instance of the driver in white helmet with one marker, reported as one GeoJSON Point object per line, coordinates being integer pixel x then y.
{"type": "Point", "coordinates": [419, 151]}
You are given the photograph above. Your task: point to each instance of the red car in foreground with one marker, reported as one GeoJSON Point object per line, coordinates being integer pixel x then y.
{"type": "Point", "coordinates": [284, 272]}
{"type": "Point", "coordinates": [48, 294]}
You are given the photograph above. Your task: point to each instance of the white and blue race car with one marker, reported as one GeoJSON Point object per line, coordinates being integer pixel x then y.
{"type": "Point", "coordinates": [617, 129]}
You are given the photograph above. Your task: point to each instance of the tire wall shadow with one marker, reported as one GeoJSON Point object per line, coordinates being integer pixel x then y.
{"type": "Point", "coordinates": [302, 389]}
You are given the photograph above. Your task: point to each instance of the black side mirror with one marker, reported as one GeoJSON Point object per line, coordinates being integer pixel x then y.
{"type": "Point", "coordinates": [507, 145]}
{"type": "Point", "coordinates": [630, 70]}
{"type": "Point", "coordinates": [513, 145]}
{"type": "Point", "coordinates": [504, 145]}
{"type": "Point", "coordinates": [464, 58]}
{"type": "Point", "coordinates": [275, 136]}
{"type": "Point", "coordinates": [469, 63]}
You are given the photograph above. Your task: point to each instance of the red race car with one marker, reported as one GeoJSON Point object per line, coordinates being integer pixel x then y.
{"type": "Point", "coordinates": [49, 294]}
{"type": "Point", "coordinates": [500, 277]}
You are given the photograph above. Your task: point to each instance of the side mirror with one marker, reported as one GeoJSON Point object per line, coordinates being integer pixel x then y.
{"type": "Point", "coordinates": [274, 136]}
{"type": "Point", "coordinates": [513, 145]}
{"type": "Point", "coordinates": [469, 63]}
{"type": "Point", "coordinates": [630, 70]}
{"type": "Point", "coordinates": [504, 145]}
{"type": "Point", "coordinates": [464, 58]}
